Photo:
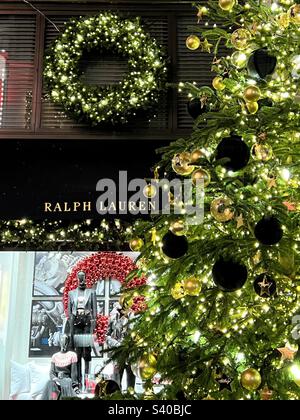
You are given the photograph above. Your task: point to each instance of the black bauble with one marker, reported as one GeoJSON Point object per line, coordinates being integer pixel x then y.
{"type": "Point", "coordinates": [268, 230]}
{"type": "Point", "coordinates": [265, 102]}
{"type": "Point", "coordinates": [261, 64]}
{"type": "Point", "coordinates": [264, 285]}
{"type": "Point", "coordinates": [174, 246]}
{"type": "Point", "coordinates": [235, 149]}
{"type": "Point", "coordinates": [229, 275]}
{"type": "Point", "coordinates": [180, 396]}
{"type": "Point", "coordinates": [196, 108]}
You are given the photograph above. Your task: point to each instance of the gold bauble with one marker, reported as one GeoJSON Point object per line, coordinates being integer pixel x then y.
{"type": "Point", "coordinates": [240, 38]}
{"type": "Point", "coordinates": [147, 367]}
{"type": "Point", "coordinates": [283, 20]}
{"type": "Point", "coordinates": [226, 5]}
{"type": "Point", "coordinates": [150, 191]}
{"type": "Point", "coordinates": [192, 42]}
{"type": "Point", "coordinates": [263, 152]}
{"type": "Point", "coordinates": [192, 286]}
{"type": "Point", "coordinates": [178, 227]}
{"type": "Point", "coordinates": [239, 59]}
{"type": "Point", "coordinates": [251, 379]}
{"type": "Point", "coordinates": [178, 291]}
{"type": "Point", "coordinates": [294, 14]}
{"type": "Point", "coordinates": [136, 244]}
{"type": "Point", "coordinates": [221, 209]}
{"type": "Point", "coordinates": [252, 93]}
{"type": "Point", "coordinates": [252, 107]}
{"type": "Point", "coordinates": [196, 155]}
{"type": "Point", "coordinates": [218, 83]}
{"type": "Point", "coordinates": [181, 164]}
{"type": "Point", "coordinates": [201, 174]}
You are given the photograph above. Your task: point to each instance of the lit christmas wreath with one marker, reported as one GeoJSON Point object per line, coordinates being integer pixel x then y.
{"type": "Point", "coordinates": [115, 104]}
{"type": "Point", "coordinates": [104, 266]}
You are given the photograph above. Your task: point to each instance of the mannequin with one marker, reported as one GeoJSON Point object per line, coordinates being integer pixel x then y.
{"type": "Point", "coordinates": [118, 329]}
{"type": "Point", "coordinates": [82, 312]}
{"type": "Point", "coordinates": [63, 373]}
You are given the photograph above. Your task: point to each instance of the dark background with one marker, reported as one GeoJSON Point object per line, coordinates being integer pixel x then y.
{"type": "Point", "coordinates": [36, 171]}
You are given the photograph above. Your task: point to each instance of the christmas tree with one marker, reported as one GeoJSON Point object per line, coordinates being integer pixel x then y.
{"type": "Point", "coordinates": [222, 295]}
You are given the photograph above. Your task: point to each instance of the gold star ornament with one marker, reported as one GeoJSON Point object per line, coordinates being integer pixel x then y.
{"type": "Point", "coordinates": [265, 287]}
{"type": "Point", "coordinates": [202, 11]}
{"type": "Point", "coordinates": [266, 393]}
{"type": "Point", "coordinates": [239, 221]}
{"type": "Point", "coordinates": [271, 181]}
{"type": "Point", "coordinates": [287, 352]}
{"type": "Point", "coordinates": [206, 46]}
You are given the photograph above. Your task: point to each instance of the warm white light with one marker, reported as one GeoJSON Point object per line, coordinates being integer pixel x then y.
{"type": "Point", "coordinates": [196, 337]}
{"type": "Point", "coordinates": [240, 357]}
{"type": "Point", "coordinates": [295, 371]}
{"type": "Point", "coordinates": [285, 174]}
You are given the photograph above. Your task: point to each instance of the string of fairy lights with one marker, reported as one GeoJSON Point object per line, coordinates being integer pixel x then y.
{"type": "Point", "coordinates": [53, 234]}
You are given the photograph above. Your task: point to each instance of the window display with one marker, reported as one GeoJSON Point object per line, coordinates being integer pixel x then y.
{"type": "Point", "coordinates": [48, 319]}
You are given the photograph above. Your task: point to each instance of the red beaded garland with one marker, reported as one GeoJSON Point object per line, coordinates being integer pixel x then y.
{"type": "Point", "coordinates": [101, 328]}
{"type": "Point", "coordinates": [103, 266]}
{"type": "Point", "coordinates": [139, 304]}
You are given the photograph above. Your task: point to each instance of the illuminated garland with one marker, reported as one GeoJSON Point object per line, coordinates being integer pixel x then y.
{"type": "Point", "coordinates": [112, 104]}
{"type": "Point", "coordinates": [49, 235]}
{"type": "Point", "coordinates": [105, 266]}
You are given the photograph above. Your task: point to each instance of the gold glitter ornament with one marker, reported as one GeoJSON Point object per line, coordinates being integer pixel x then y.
{"type": "Point", "coordinates": [181, 164]}
{"type": "Point", "coordinates": [192, 286]}
{"type": "Point", "coordinates": [178, 291]}
{"type": "Point", "coordinates": [263, 152]}
{"type": "Point", "coordinates": [221, 209]}
{"type": "Point", "coordinates": [240, 38]}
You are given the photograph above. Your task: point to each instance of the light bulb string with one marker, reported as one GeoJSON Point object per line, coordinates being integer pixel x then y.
{"type": "Point", "coordinates": [42, 14]}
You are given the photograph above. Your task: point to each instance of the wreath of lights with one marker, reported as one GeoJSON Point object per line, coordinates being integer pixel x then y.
{"type": "Point", "coordinates": [103, 266]}
{"type": "Point", "coordinates": [115, 104]}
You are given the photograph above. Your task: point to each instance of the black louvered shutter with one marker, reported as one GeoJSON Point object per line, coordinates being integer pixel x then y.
{"type": "Point", "coordinates": [17, 51]}
{"type": "Point", "coordinates": [192, 66]}
{"type": "Point", "coordinates": [19, 60]}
